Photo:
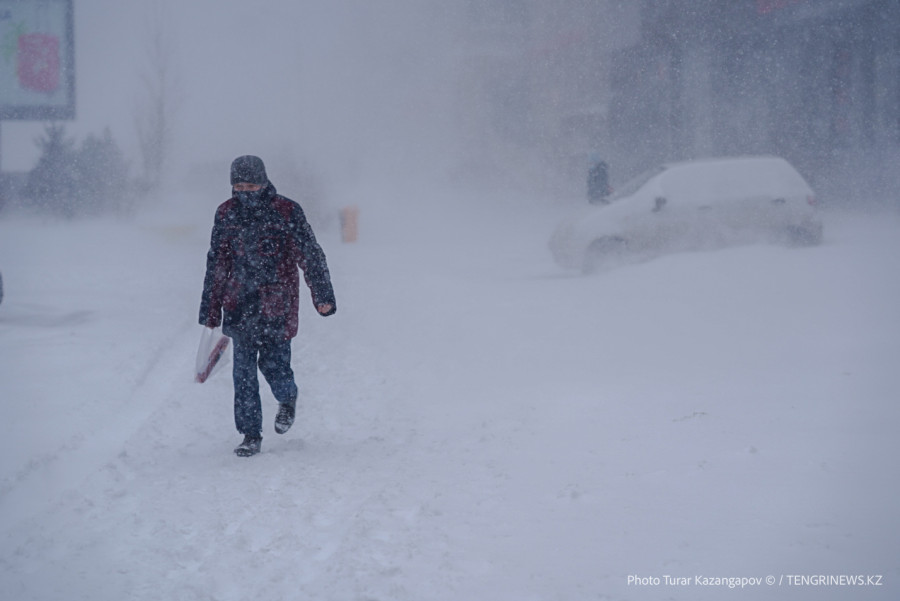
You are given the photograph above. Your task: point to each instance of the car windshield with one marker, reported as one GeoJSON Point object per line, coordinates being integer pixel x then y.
{"type": "Point", "coordinates": [634, 184]}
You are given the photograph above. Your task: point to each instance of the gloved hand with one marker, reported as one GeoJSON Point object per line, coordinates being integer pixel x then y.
{"type": "Point", "coordinates": [326, 309]}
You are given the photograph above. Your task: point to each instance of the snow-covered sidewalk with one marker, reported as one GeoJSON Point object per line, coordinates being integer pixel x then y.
{"type": "Point", "coordinates": [474, 423]}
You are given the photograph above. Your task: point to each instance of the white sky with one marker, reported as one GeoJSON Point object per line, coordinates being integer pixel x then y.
{"type": "Point", "coordinates": [339, 80]}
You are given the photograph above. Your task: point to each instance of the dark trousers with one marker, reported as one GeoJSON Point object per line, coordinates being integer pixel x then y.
{"type": "Point", "coordinates": [274, 361]}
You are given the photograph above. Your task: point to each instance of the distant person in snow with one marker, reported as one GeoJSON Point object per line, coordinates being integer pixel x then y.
{"type": "Point", "coordinates": [598, 189]}
{"type": "Point", "coordinates": [259, 240]}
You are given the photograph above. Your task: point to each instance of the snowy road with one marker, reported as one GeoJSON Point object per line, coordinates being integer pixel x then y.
{"type": "Point", "coordinates": [474, 423]}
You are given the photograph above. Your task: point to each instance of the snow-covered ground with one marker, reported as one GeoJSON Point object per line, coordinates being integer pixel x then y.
{"type": "Point", "coordinates": [475, 424]}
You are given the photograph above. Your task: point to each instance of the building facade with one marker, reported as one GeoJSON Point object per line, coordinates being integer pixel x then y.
{"type": "Point", "coordinates": [641, 82]}
{"type": "Point", "coordinates": [816, 81]}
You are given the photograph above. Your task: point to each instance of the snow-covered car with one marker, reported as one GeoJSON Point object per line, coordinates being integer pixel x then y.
{"type": "Point", "coordinates": [692, 205]}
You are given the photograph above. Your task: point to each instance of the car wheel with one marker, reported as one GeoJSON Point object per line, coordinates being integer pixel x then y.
{"type": "Point", "coordinates": [799, 235]}
{"type": "Point", "coordinates": [603, 252]}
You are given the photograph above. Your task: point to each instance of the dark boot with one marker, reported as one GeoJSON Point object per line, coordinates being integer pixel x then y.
{"type": "Point", "coordinates": [285, 418]}
{"type": "Point", "coordinates": [250, 446]}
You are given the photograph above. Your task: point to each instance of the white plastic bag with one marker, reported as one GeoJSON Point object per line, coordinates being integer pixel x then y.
{"type": "Point", "coordinates": [211, 354]}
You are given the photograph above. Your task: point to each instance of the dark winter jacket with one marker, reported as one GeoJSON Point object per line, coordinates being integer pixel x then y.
{"type": "Point", "coordinates": [251, 268]}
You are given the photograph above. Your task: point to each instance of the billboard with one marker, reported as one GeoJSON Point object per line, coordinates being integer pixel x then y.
{"type": "Point", "coordinates": [37, 60]}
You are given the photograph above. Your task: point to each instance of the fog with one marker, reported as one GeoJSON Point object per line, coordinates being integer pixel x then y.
{"type": "Point", "coordinates": [361, 93]}
{"type": "Point", "coordinates": [475, 422]}
{"type": "Point", "coordinates": [352, 86]}
{"type": "Point", "coordinates": [506, 94]}
{"type": "Point", "coordinates": [349, 84]}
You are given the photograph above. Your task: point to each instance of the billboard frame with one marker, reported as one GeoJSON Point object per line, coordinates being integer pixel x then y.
{"type": "Point", "coordinates": [48, 112]}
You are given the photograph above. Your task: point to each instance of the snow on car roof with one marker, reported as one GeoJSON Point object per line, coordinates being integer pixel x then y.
{"type": "Point", "coordinates": [706, 180]}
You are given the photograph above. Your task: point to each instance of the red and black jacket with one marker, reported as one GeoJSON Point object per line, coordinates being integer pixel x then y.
{"type": "Point", "coordinates": [251, 268]}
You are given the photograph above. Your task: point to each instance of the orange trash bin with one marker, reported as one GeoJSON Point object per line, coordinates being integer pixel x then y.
{"type": "Point", "coordinates": [349, 224]}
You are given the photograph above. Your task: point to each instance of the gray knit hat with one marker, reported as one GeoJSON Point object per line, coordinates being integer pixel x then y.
{"type": "Point", "coordinates": [248, 169]}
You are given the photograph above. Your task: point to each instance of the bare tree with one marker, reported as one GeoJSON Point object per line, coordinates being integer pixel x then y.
{"type": "Point", "coordinates": [159, 100]}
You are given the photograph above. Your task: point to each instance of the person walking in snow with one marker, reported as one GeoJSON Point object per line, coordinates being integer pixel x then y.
{"type": "Point", "coordinates": [259, 240]}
